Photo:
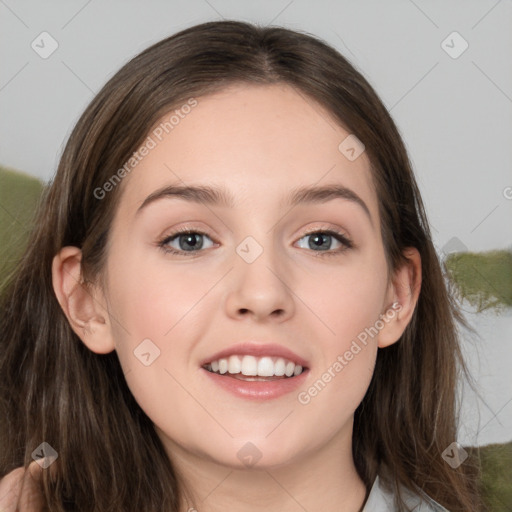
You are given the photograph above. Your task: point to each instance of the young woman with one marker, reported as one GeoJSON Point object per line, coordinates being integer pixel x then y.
{"type": "Point", "coordinates": [231, 298]}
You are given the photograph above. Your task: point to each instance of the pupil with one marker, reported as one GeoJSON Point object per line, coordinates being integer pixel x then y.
{"type": "Point", "coordinates": [319, 238]}
{"type": "Point", "coordinates": [190, 239]}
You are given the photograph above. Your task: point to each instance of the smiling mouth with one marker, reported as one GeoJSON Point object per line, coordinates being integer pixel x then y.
{"type": "Point", "coordinates": [251, 368]}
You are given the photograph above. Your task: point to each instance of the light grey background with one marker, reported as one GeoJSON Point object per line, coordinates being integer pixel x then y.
{"type": "Point", "coordinates": [455, 114]}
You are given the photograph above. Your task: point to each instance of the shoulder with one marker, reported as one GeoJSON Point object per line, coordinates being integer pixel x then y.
{"type": "Point", "coordinates": [381, 500]}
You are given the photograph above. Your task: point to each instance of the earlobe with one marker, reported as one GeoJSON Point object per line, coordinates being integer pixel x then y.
{"type": "Point", "coordinates": [82, 303]}
{"type": "Point", "coordinates": [404, 290]}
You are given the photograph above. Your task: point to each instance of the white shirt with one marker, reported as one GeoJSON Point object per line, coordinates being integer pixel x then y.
{"type": "Point", "coordinates": [380, 500]}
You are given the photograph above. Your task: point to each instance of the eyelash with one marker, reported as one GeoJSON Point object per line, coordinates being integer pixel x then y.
{"type": "Point", "coordinates": [348, 244]}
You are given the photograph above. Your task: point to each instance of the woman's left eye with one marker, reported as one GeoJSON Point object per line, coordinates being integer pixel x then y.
{"type": "Point", "coordinates": [322, 238]}
{"type": "Point", "coordinates": [192, 241]}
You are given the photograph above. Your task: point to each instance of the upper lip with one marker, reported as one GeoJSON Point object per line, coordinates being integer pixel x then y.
{"type": "Point", "coordinates": [252, 348]}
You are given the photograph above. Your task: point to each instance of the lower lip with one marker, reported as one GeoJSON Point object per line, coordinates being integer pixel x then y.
{"type": "Point", "coordinates": [257, 390]}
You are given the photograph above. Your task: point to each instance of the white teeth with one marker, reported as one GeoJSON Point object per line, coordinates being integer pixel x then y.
{"type": "Point", "coordinates": [251, 366]}
{"type": "Point", "coordinates": [265, 367]}
{"type": "Point", "coordinates": [290, 368]}
{"type": "Point", "coordinates": [223, 366]}
{"type": "Point", "coordinates": [235, 364]}
{"type": "Point", "coordinates": [280, 367]}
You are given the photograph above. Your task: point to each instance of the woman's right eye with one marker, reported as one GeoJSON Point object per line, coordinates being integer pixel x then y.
{"type": "Point", "coordinates": [187, 241]}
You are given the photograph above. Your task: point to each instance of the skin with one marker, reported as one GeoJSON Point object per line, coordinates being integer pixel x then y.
{"type": "Point", "coordinates": [257, 141]}
{"type": "Point", "coordinates": [20, 490]}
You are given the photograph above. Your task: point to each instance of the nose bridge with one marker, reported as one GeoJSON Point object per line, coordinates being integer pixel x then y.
{"type": "Point", "coordinates": [259, 281]}
{"type": "Point", "coordinates": [257, 254]}
{"type": "Point", "coordinates": [259, 247]}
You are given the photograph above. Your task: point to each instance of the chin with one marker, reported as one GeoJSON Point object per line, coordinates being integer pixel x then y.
{"type": "Point", "coordinates": [256, 453]}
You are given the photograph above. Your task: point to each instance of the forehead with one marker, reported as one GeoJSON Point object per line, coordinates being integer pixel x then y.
{"type": "Point", "coordinates": [259, 141]}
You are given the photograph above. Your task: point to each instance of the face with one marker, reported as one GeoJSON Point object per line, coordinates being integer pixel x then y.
{"type": "Point", "coordinates": [259, 283]}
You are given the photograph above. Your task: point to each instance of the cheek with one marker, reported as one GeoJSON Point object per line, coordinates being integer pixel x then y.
{"type": "Point", "coordinates": [155, 310]}
{"type": "Point", "coordinates": [346, 299]}
{"type": "Point", "coordinates": [326, 405]}
{"type": "Point", "coordinates": [152, 298]}
{"type": "Point", "coordinates": [347, 356]}
{"type": "Point", "coordinates": [349, 306]}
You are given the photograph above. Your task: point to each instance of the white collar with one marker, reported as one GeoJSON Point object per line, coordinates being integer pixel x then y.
{"type": "Point", "coordinates": [380, 500]}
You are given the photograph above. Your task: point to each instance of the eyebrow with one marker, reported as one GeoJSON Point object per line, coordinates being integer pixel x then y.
{"type": "Point", "coordinates": [220, 196]}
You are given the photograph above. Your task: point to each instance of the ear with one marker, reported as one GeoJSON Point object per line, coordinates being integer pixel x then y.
{"type": "Point", "coordinates": [404, 290]}
{"type": "Point", "coordinates": [83, 304]}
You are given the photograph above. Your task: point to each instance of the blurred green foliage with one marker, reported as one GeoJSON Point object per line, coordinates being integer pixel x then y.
{"type": "Point", "coordinates": [484, 279]}
{"type": "Point", "coordinates": [496, 471]}
{"type": "Point", "coordinates": [19, 195]}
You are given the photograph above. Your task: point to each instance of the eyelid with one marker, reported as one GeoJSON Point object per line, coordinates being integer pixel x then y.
{"type": "Point", "coordinates": [342, 233]}
{"type": "Point", "coordinates": [325, 229]}
{"type": "Point", "coordinates": [184, 230]}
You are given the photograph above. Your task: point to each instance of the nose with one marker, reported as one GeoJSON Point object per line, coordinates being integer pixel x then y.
{"type": "Point", "coordinates": [260, 289]}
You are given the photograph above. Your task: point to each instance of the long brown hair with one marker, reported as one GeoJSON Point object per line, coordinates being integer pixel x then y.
{"type": "Point", "coordinates": [54, 389]}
